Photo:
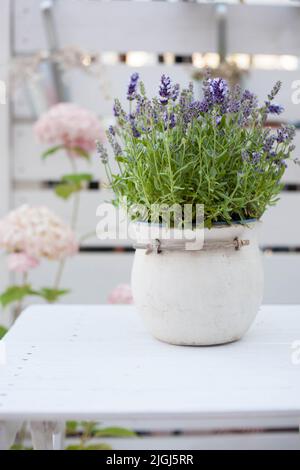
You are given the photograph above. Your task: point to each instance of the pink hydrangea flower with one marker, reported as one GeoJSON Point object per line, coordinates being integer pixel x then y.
{"type": "Point", "coordinates": [122, 294]}
{"type": "Point", "coordinates": [69, 125]}
{"type": "Point", "coordinates": [21, 262]}
{"type": "Point", "coordinates": [38, 232]}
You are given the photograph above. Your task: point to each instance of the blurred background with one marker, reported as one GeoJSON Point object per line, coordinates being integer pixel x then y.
{"type": "Point", "coordinates": [84, 51]}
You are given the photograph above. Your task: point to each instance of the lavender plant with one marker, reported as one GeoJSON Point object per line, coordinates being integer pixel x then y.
{"type": "Point", "coordinates": [218, 151]}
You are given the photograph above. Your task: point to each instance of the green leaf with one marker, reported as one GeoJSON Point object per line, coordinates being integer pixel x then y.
{"type": "Point", "coordinates": [3, 331]}
{"type": "Point", "coordinates": [15, 294]}
{"type": "Point", "coordinates": [51, 295]}
{"type": "Point", "coordinates": [121, 159]}
{"type": "Point", "coordinates": [102, 446]}
{"type": "Point", "coordinates": [51, 151]}
{"type": "Point", "coordinates": [78, 178]}
{"type": "Point", "coordinates": [65, 190]}
{"type": "Point", "coordinates": [89, 447]}
{"type": "Point", "coordinates": [115, 432]}
{"type": "Point", "coordinates": [20, 447]}
{"type": "Point", "coordinates": [71, 427]}
{"type": "Point", "coordinates": [80, 152]}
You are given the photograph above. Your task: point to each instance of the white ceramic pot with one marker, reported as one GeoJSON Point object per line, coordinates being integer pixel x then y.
{"type": "Point", "coordinates": [204, 297]}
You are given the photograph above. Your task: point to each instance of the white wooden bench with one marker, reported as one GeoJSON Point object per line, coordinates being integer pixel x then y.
{"type": "Point", "coordinates": [99, 363]}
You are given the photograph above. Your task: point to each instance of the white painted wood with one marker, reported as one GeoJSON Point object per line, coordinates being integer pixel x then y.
{"type": "Point", "coordinates": [261, 81]}
{"type": "Point", "coordinates": [282, 272]}
{"type": "Point", "coordinates": [159, 26]}
{"type": "Point", "coordinates": [87, 221]}
{"type": "Point", "coordinates": [255, 441]}
{"type": "Point", "coordinates": [5, 156]}
{"type": "Point", "coordinates": [280, 227]}
{"type": "Point", "coordinates": [280, 223]}
{"type": "Point", "coordinates": [8, 432]}
{"type": "Point", "coordinates": [47, 435]}
{"type": "Point", "coordinates": [127, 376]}
{"type": "Point", "coordinates": [29, 166]}
{"type": "Point", "coordinates": [153, 26]}
{"type": "Point", "coordinates": [262, 29]}
{"type": "Point", "coordinates": [97, 92]}
{"type": "Point", "coordinates": [4, 107]}
{"type": "Point", "coordinates": [104, 272]}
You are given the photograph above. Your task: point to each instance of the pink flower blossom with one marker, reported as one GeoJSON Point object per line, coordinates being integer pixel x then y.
{"type": "Point", "coordinates": [21, 262]}
{"type": "Point", "coordinates": [69, 125]}
{"type": "Point", "coordinates": [121, 295]}
{"type": "Point", "coordinates": [37, 232]}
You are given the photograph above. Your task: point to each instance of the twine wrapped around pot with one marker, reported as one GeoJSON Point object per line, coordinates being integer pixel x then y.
{"type": "Point", "coordinates": [157, 246]}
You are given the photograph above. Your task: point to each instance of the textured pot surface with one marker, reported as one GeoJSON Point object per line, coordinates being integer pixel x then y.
{"type": "Point", "coordinates": [203, 297]}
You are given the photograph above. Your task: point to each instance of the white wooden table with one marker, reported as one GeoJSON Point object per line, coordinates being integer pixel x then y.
{"type": "Point", "coordinates": [99, 363]}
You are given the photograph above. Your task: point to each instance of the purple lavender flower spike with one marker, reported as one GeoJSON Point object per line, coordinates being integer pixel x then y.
{"type": "Point", "coordinates": [256, 156]}
{"type": "Point", "coordinates": [117, 108]}
{"type": "Point", "coordinates": [268, 144]}
{"type": "Point", "coordinates": [102, 152]}
{"type": "Point", "coordinates": [204, 106]}
{"type": "Point", "coordinates": [135, 132]}
{"type": "Point", "coordinates": [175, 91]}
{"type": "Point", "coordinates": [282, 136]}
{"type": "Point", "coordinates": [234, 106]}
{"type": "Point", "coordinates": [169, 120]}
{"type": "Point", "coordinates": [112, 130]}
{"type": "Point", "coordinates": [218, 89]}
{"type": "Point", "coordinates": [274, 90]}
{"type": "Point", "coordinates": [248, 104]}
{"type": "Point", "coordinates": [165, 90]}
{"type": "Point", "coordinates": [131, 93]}
{"type": "Point", "coordinates": [218, 120]}
{"type": "Point", "coordinates": [274, 108]}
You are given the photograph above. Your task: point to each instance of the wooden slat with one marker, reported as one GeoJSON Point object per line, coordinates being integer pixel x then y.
{"type": "Point", "coordinates": [261, 82]}
{"type": "Point", "coordinates": [5, 187]}
{"type": "Point", "coordinates": [258, 441]}
{"type": "Point", "coordinates": [263, 29]}
{"type": "Point", "coordinates": [159, 26]}
{"type": "Point", "coordinates": [29, 166]}
{"type": "Point", "coordinates": [97, 92]}
{"type": "Point", "coordinates": [87, 221]}
{"type": "Point", "coordinates": [281, 278]}
{"type": "Point", "coordinates": [118, 26]}
{"type": "Point", "coordinates": [281, 223]}
{"type": "Point", "coordinates": [4, 107]}
{"type": "Point", "coordinates": [280, 227]}
{"type": "Point", "coordinates": [101, 272]}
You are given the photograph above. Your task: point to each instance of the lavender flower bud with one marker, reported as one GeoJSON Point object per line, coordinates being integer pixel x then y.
{"type": "Point", "coordinates": [112, 130]}
{"type": "Point", "coordinates": [169, 120]}
{"type": "Point", "coordinates": [256, 156]}
{"type": "Point", "coordinates": [285, 134]}
{"type": "Point", "coordinates": [175, 91]}
{"type": "Point", "coordinates": [131, 93]}
{"type": "Point", "coordinates": [218, 89]}
{"type": "Point", "coordinates": [112, 140]}
{"type": "Point", "coordinates": [204, 106]}
{"type": "Point", "coordinates": [274, 108]}
{"type": "Point", "coordinates": [102, 152]}
{"type": "Point", "coordinates": [274, 90]}
{"type": "Point", "coordinates": [268, 144]}
{"type": "Point", "coordinates": [165, 90]}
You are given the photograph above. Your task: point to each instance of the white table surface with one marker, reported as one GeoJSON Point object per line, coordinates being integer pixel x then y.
{"type": "Point", "coordinates": [99, 362]}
